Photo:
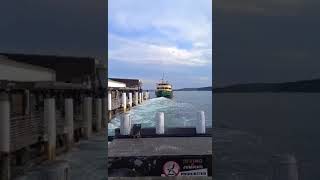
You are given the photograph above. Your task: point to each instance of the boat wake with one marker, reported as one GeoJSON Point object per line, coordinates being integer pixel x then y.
{"type": "Point", "coordinates": [177, 114]}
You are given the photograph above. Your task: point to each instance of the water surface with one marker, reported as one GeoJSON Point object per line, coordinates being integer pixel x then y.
{"type": "Point", "coordinates": [283, 123]}
{"type": "Point", "coordinates": [180, 111]}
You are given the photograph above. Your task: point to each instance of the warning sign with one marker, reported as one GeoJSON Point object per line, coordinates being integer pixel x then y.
{"type": "Point", "coordinates": [171, 165]}
{"type": "Point", "coordinates": [186, 166]}
{"type": "Point", "coordinates": [171, 168]}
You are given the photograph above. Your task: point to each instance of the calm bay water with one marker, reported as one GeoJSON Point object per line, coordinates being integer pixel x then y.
{"type": "Point", "coordinates": [283, 123]}
{"type": "Point", "coordinates": [180, 111]}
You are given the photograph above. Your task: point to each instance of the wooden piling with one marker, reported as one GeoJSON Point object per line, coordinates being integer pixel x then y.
{"type": "Point", "coordinates": [88, 116]}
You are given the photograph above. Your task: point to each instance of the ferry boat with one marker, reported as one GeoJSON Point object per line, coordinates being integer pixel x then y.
{"type": "Point", "coordinates": [164, 89]}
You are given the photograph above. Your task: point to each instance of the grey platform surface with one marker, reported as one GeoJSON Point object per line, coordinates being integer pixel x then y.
{"type": "Point", "coordinates": [160, 146]}
{"type": "Point", "coordinates": [161, 178]}
{"type": "Point", "coordinates": [88, 159]}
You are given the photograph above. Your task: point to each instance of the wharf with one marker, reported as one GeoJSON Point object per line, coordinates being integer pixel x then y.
{"type": "Point", "coordinates": [149, 156]}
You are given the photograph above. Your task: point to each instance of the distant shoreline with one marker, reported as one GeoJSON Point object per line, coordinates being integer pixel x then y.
{"type": "Point", "coordinates": [191, 90]}
{"type": "Point", "coordinates": [305, 86]}
{"type": "Point", "coordinates": [209, 88]}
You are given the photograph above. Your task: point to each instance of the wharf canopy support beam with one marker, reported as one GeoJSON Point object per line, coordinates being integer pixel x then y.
{"type": "Point", "coordinates": [130, 100]}
{"type": "Point", "coordinates": [88, 116]}
{"type": "Point", "coordinates": [109, 102]}
{"type": "Point", "coordinates": [109, 106]}
{"type": "Point", "coordinates": [104, 112]}
{"type": "Point", "coordinates": [140, 97]}
{"type": "Point", "coordinates": [50, 118]}
{"type": "Point", "coordinates": [68, 105]}
{"type": "Point", "coordinates": [98, 119]}
{"type": "Point", "coordinates": [124, 102]}
{"type": "Point", "coordinates": [4, 137]}
{"type": "Point", "coordinates": [136, 98]}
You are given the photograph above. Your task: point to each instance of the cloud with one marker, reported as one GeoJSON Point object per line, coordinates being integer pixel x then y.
{"type": "Point", "coordinates": [158, 33]}
{"type": "Point", "coordinates": [203, 78]}
{"type": "Point", "coordinates": [143, 53]}
{"type": "Point", "coordinates": [161, 36]}
{"type": "Point", "coordinates": [186, 17]}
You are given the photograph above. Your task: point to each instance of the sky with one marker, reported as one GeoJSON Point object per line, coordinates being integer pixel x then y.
{"type": "Point", "coordinates": [266, 41]}
{"type": "Point", "coordinates": [54, 27]}
{"type": "Point", "coordinates": [147, 39]}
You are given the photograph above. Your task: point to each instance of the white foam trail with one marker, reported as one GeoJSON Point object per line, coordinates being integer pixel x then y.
{"type": "Point", "coordinates": [177, 114]}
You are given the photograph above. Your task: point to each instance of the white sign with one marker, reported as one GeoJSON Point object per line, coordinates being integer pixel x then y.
{"type": "Point", "coordinates": [171, 168]}
{"type": "Point", "coordinates": [198, 172]}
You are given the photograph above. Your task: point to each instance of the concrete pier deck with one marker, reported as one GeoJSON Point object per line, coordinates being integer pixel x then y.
{"type": "Point", "coordinates": [88, 158]}
{"type": "Point", "coordinates": [160, 146]}
{"type": "Point", "coordinates": [148, 157]}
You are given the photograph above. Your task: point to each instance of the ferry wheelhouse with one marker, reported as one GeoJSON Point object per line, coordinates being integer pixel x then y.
{"type": "Point", "coordinates": [164, 89]}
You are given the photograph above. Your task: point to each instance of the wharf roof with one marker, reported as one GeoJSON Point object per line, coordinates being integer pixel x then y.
{"type": "Point", "coordinates": [49, 85]}
{"type": "Point", "coordinates": [116, 84]}
{"type": "Point", "coordinates": [128, 82]}
{"type": "Point", "coordinates": [63, 65]}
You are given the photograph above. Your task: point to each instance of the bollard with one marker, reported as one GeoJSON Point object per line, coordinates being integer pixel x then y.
{"type": "Point", "coordinates": [130, 123]}
{"type": "Point", "coordinates": [124, 102]}
{"type": "Point", "coordinates": [201, 123]}
{"type": "Point", "coordinates": [125, 124]}
{"type": "Point", "coordinates": [160, 123]}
